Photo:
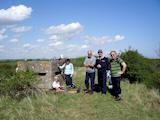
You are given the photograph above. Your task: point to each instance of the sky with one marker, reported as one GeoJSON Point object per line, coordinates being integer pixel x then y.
{"type": "Point", "coordinates": [31, 29]}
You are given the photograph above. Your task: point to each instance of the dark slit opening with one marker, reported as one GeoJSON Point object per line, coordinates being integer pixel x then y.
{"type": "Point", "coordinates": [57, 73]}
{"type": "Point", "coordinates": [42, 74]}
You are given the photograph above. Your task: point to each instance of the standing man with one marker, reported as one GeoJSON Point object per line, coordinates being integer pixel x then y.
{"type": "Point", "coordinates": [89, 63]}
{"type": "Point", "coordinates": [102, 64]}
{"type": "Point", "coordinates": [116, 72]}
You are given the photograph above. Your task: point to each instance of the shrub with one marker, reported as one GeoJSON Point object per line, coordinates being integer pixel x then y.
{"type": "Point", "coordinates": [18, 85]}
{"type": "Point", "coordinates": [140, 69]}
{"type": "Point", "coordinates": [7, 69]}
{"type": "Point", "coordinates": [135, 65]}
{"type": "Point", "coordinates": [78, 62]}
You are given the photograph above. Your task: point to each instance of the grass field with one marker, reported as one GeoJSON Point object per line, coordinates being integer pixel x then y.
{"type": "Point", "coordinates": [11, 62]}
{"type": "Point", "coordinates": [139, 103]}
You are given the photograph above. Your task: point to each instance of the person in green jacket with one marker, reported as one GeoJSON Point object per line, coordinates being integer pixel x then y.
{"type": "Point", "coordinates": [118, 67]}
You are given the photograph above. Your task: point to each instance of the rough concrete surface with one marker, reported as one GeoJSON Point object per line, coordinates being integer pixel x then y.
{"type": "Point", "coordinates": [45, 69]}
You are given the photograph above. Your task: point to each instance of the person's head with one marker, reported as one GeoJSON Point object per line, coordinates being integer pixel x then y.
{"type": "Point", "coordinates": [100, 53]}
{"type": "Point", "coordinates": [56, 78]}
{"type": "Point", "coordinates": [113, 54]}
{"type": "Point", "coordinates": [67, 61]}
{"type": "Point", "coordinates": [89, 53]}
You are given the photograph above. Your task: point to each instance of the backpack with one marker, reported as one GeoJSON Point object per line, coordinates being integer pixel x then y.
{"type": "Point", "coordinates": [96, 88]}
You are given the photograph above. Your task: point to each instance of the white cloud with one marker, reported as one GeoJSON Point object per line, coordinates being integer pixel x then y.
{"type": "Point", "coordinates": [64, 32]}
{"type": "Point", "coordinates": [1, 46]}
{"type": "Point", "coordinates": [55, 44]}
{"type": "Point", "coordinates": [98, 40]}
{"type": "Point", "coordinates": [26, 45]}
{"type": "Point", "coordinates": [14, 14]}
{"type": "Point", "coordinates": [84, 46]}
{"type": "Point", "coordinates": [14, 40]}
{"type": "Point", "coordinates": [2, 31]}
{"type": "Point", "coordinates": [118, 37]}
{"type": "Point", "coordinates": [62, 29]}
{"type": "Point", "coordinates": [9, 26]}
{"type": "Point", "coordinates": [40, 40]}
{"type": "Point", "coordinates": [102, 40]}
{"type": "Point", "coordinates": [22, 29]}
{"type": "Point", "coordinates": [3, 37]}
{"type": "Point", "coordinates": [54, 37]}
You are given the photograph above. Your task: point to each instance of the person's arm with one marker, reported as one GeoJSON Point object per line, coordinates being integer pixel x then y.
{"type": "Point", "coordinates": [108, 64]}
{"type": "Point", "coordinates": [96, 63]}
{"type": "Point", "coordinates": [123, 68]}
{"type": "Point", "coordinates": [61, 67]}
{"type": "Point", "coordinates": [72, 70]}
{"type": "Point", "coordinates": [85, 64]}
{"type": "Point", "coordinates": [93, 62]}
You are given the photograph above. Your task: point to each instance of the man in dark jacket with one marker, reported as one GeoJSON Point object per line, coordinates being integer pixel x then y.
{"type": "Point", "coordinates": [102, 64]}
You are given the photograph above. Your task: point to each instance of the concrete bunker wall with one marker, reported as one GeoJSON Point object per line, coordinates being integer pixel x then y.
{"type": "Point", "coordinates": [45, 69]}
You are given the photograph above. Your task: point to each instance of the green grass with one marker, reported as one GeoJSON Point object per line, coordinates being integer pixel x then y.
{"type": "Point", "coordinates": [139, 103]}
{"type": "Point", "coordinates": [10, 62]}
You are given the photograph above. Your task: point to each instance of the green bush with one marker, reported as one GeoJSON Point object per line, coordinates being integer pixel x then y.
{"type": "Point", "coordinates": [140, 69]}
{"type": "Point", "coordinates": [9, 62]}
{"type": "Point", "coordinates": [18, 85]}
{"type": "Point", "coordinates": [78, 62]}
{"type": "Point", "coordinates": [135, 65]}
{"type": "Point", "coordinates": [7, 69]}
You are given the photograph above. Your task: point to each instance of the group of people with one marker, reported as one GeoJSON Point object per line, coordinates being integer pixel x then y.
{"type": "Point", "coordinates": [112, 67]}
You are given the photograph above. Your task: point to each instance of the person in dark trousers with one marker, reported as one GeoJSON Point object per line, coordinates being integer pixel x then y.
{"type": "Point", "coordinates": [89, 63]}
{"type": "Point", "coordinates": [102, 64]}
{"type": "Point", "coordinates": [118, 67]}
{"type": "Point", "coordinates": [68, 72]}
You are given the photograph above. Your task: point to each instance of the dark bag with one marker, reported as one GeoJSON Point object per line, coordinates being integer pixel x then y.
{"type": "Point", "coordinates": [96, 88]}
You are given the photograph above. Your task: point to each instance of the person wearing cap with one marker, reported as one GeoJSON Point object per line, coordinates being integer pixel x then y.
{"type": "Point", "coordinates": [89, 63]}
{"type": "Point", "coordinates": [102, 64]}
{"type": "Point", "coordinates": [68, 72]}
{"type": "Point", "coordinates": [118, 67]}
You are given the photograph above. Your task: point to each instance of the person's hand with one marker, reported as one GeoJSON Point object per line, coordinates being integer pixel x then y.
{"type": "Point", "coordinates": [91, 65]}
{"type": "Point", "coordinates": [120, 73]}
{"type": "Point", "coordinates": [98, 66]}
{"type": "Point", "coordinates": [71, 75]}
{"type": "Point", "coordinates": [88, 65]}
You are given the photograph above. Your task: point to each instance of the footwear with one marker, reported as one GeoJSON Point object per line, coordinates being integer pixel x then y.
{"type": "Point", "coordinates": [68, 86]}
{"type": "Point", "coordinates": [118, 98]}
{"type": "Point", "coordinates": [85, 90]}
{"type": "Point", "coordinates": [114, 97]}
{"type": "Point", "coordinates": [73, 86]}
{"type": "Point", "coordinates": [90, 92]}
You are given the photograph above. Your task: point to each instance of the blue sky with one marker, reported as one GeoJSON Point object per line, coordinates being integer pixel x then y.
{"type": "Point", "coordinates": [48, 28]}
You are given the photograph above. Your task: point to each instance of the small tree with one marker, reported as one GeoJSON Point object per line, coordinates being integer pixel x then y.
{"type": "Point", "coordinates": [136, 66]}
